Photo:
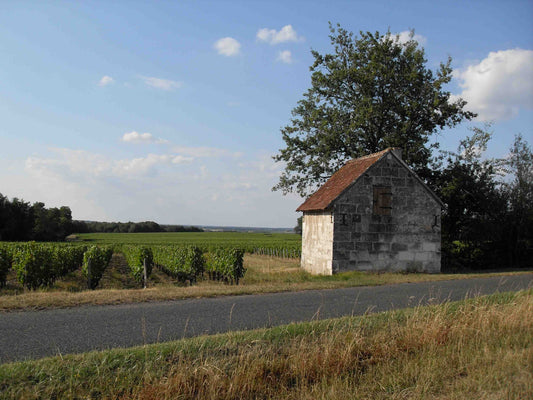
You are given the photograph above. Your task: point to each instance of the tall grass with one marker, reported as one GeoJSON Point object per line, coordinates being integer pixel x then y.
{"type": "Point", "coordinates": [475, 349]}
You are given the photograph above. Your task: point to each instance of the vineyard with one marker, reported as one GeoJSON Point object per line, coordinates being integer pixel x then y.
{"type": "Point", "coordinates": [186, 258]}
{"type": "Point", "coordinates": [275, 244]}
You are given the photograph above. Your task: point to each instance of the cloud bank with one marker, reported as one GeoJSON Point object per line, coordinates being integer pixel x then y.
{"type": "Point", "coordinates": [499, 86]}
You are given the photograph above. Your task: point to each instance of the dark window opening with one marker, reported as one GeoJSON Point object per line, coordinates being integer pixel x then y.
{"type": "Point", "coordinates": [382, 203]}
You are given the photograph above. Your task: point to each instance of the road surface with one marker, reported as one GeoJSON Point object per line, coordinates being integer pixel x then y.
{"type": "Point", "coordinates": [36, 334]}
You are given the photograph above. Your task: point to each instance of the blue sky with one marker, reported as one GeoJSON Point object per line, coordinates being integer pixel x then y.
{"type": "Point", "coordinates": [171, 111]}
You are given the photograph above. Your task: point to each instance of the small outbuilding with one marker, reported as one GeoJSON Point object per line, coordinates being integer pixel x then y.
{"type": "Point", "coordinates": [374, 213]}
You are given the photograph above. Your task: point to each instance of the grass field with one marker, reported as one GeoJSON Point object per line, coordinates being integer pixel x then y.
{"type": "Point", "coordinates": [474, 349]}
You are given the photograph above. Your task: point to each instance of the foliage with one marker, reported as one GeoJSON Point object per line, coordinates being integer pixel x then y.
{"type": "Point", "coordinates": [34, 264]}
{"type": "Point", "coordinates": [371, 93]}
{"type": "Point", "coordinates": [6, 258]}
{"type": "Point", "coordinates": [298, 228]}
{"type": "Point", "coordinates": [68, 258]}
{"type": "Point", "coordinates": [519, 192]}
{"type": "Point", "coordinates": [182, 263]}
{"type": "Point", "coordinates": [227, 265]}
{"type": "Point", "coordinates": [51, 224]}
{"type": "Point", "coordinates": [129, 227]}
{"type": "Point", "coordinates": [488, 220]}
{"type": "Point", "coordinates": [137, 256]}
{"type": "Point", "coordinates": [95, 261]}
{"type": "Point", "coordinates": [16, 219]}
{"type": "Point", "coordinates": [20, 221]}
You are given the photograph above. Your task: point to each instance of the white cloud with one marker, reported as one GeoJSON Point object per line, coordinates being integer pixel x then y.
{"type": "Point", "coordinates": [83, 165]}
{"type": "Point", "coordinates": [405, 36]}
{"type": "Point", "coordinates": [285, 34]}
{"type": "Point", "coordinates": [227, 46]}
{"type": "Point", "coordinates": [181, 160]}
{"type": "Point", "coordinates": [499, 86]}
{"type": "Point", "coordinates": [138, 166]}
{"type": "Point", "coordinates": [136, 137]}
{"type": "Point", "coordinates": [106, 80]}
{"type": "Point", "coordinates": [163, 84]}
{"type": "Point", "coordinates": [205, 152]}
{"type": "Point", "coordinates": [285, 56]}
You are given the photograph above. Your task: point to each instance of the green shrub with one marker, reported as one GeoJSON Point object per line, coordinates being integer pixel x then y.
{"type": "Point", "coordinates": [95, 261]}
{"type": "Point", "coordinates": [182, 263]}
{"type": "Point", "coordinates": [68, 258]}
{"type": "Point", "coordinates": [227, 265]}
{"type": "Point", "coordinates": [34, 264]}
{"type": "Point", "coordinates": [136, 256]}
{"type": "Point", "coordinates": [6, 258]}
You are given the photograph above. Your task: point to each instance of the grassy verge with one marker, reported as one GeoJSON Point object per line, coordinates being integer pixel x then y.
{"type": "Point", "coordinates": [264, 275]}
{"type": "Point", "coordinates": [476, 349]}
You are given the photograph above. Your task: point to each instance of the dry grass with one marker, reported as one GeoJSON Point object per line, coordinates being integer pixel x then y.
{"type": "Point", "coordinates": [475, 349]}
{"type": "Point", "coordinates": [264, 275]}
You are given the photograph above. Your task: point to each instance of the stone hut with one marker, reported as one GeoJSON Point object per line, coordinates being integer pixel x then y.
{"type": "Point", "coordinates": [374, 213]}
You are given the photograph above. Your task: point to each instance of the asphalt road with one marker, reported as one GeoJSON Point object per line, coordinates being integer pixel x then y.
{"type": "Point", "coordinates": [36, 334]}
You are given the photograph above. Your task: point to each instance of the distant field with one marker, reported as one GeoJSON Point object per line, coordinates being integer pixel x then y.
{"type": "Point", "coordinates": [196, 238]}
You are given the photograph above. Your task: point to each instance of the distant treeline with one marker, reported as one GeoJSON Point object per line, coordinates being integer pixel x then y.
{"type": "Point", "coordinates": [21, 221]}
{"type": "Point", "coordinates": [129, 227]}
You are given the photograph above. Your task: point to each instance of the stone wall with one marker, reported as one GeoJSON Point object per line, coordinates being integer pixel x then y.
{"type": "Point", "coordinates": [408, 239]}
{"type": "Point", "coordinates": [317, 242]}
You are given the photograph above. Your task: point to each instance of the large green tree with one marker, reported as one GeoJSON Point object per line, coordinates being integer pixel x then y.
{"type": "Point", "coordinates": [372, 92]}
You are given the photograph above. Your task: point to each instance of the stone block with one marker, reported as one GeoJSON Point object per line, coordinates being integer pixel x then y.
{"type": "Point", "coordinates": [423, 256]}
{"type": "Point", "coordinates": [399, 247]}
{"type": "Point", "coordinates": [390, 228]}
{"type": "Point", "coordinates": [414, 246]}
{"type": "Point", "coordinates": [396, 182]}
{"type": "Point", "coordinates": [428, 246]}
{"type": "Point", "coordinates": [364, 266]}
{"type": "Point", "coordinates": [370, 237]}
{"type": "Point", "coordinates": [376, 228]}
{"type": "Point", "coordinates": [386, 237]}
{"type": "Point", "coordinates": [361, 255]}
{"type": "Point", "coordinates": [363, 246]}
{"type": "Point", "coordinates": [379, 247]}
{"type": "Point", "coordinates": [342, 236]}
{"type": "Point", "coordinates": [406, 255]}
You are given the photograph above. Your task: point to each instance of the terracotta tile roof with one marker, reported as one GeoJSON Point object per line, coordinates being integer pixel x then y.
{"type": "Point", "coordinates": [339, 181]}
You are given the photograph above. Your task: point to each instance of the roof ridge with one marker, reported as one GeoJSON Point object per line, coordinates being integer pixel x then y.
{"type": "Point", "coordinates": [373, 154]}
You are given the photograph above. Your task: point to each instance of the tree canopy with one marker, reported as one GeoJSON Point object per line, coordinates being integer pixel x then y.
{"type": "Point", "coordinates": [488, 219]}
{"type": "Point", "coordinates": [372, 92]}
